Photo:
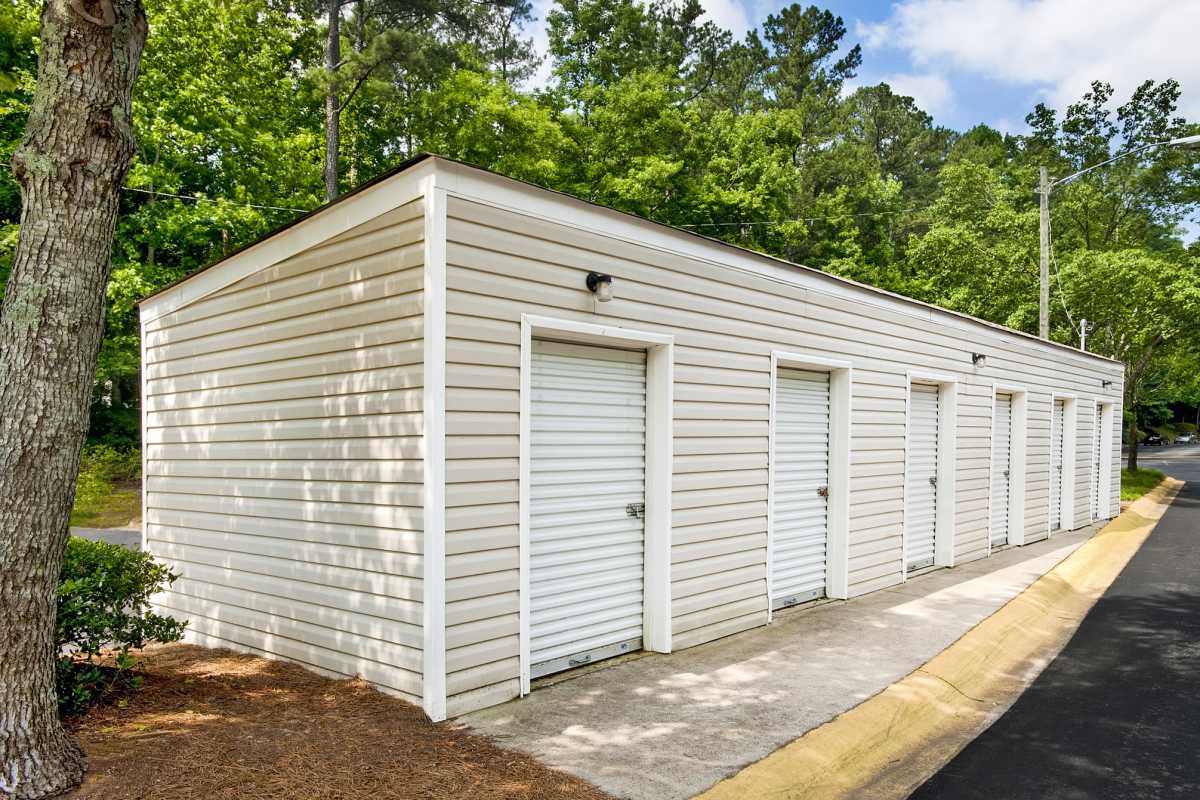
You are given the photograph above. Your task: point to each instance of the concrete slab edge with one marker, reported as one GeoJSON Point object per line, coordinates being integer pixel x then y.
{"type": "Point", "coordinates": [889, 745]}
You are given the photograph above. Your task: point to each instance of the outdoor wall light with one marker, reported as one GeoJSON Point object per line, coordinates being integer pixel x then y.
{"type": "Point", "coordinates": [600, 285]}
{"type": "Point", "coordinates": [978, 359]}
{"type": "Point", "coordinates": [1105, 384]}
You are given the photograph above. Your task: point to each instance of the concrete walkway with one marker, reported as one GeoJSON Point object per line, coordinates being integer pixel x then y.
{"type": "Point", "coordinates": [670, 726]}
{"type": "Point", "coordinates": [126, 537]}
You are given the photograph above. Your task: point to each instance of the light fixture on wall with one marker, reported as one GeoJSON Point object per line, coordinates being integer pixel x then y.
{"type": "Point", "coordinates": [600, 285]}
{"type": "Point", "coordinates": [978, 359]}
{"type": "Point", "coordinates": [1105, 384]}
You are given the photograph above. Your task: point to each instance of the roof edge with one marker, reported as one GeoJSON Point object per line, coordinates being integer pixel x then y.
{"type": "Point", "coordinates": [362, 187]}
{"type": "Point", "coordinates": [425, 156]}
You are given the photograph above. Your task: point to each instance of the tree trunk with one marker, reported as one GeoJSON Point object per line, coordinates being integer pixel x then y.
{"type": "Point", "coordinates": [1133, 441]}
{"type": "Point", "coordinates": [76, 152]}
{"type": "Point", "coordinates": [333, 113]}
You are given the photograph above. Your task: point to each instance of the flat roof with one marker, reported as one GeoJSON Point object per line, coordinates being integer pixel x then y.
{"type": "Point", "coordinates": [421, 157]}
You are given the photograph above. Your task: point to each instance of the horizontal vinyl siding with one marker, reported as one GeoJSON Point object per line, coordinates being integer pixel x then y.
{"type": "Point", "coordinates": [726, 323]}
{"type": "Point", "coordinates": [284, 456]}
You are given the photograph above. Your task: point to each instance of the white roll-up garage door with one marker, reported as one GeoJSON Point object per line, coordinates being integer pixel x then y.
{"type": "Point", "coordinates": [586, 496]}
{"type": "Point", "coordinates": [1097, 462]}
{"type": "Point", "coordinates": [800, 512]}
{"type": "Point", "coordinates": [1056, 464]}
{"type": "Point", "coordinates": [920, 493]}
{"type": "Point", "coordinates": [1001, 469]}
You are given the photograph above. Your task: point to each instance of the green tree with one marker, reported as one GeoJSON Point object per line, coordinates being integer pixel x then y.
{"type": "Point", "coordinates": [1147, 314]}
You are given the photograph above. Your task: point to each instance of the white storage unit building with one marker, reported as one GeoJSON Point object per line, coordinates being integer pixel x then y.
{"type": "Point", "coordinates": [408, 437]}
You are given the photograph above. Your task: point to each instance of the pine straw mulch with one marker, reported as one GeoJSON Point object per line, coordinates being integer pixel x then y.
{"type": "Point", "coordinates": [212, 724]}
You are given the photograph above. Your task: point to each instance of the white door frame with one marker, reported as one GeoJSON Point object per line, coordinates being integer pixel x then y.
{"type": "Point", "coordinates": [1018, 443]}
{"type": "Point", "coordinates": [660, 368]}
{"type": "Point", "coordinates": [1103, 482]}
{"type": "Point", "coordinates": [837, 550]}
{"type": "Point", "coordinates": [1066, 506]}
{"type": "Point", "coordinates": [947, 458]}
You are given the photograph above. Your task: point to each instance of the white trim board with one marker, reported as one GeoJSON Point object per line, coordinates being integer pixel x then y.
{"type": "Point", "coordinates": [841, 382]}
{"type": "Point", "coordinates": [309, 232]}
{"type": "Point", "coordinates": [660, 382]}
{"type": "Point", "coordinates": [947, 458]}
{"type": "Point", "coordinates": [433, 413]}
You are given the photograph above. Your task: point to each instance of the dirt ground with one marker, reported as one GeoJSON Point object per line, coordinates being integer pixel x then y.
{"type": "Point", "coordinates": [214, 724]}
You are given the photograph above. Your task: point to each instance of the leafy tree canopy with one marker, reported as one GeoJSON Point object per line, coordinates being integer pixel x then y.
{"type": "Point", "coordinates": [651, 108]}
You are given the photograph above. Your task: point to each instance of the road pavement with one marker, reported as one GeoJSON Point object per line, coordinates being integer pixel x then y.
{"type": "Point", "coordinates": [1117, 714]}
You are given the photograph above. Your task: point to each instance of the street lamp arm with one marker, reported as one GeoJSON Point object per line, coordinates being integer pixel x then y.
{"type": "Point", "coordinates": [1183, 141]}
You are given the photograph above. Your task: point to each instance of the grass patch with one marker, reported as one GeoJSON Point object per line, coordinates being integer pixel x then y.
{"type": "Point", "coordinates": [1137, 482]}
{"type": "Point", "coordinates": [117, 507]}
{"type": "Point", "coordinates": [108, 493]}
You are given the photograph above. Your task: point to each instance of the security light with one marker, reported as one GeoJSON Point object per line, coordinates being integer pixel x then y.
{"type": "Point", "coordinates": [600, 285]}
{"type": "Point", "coordinates": [978, 359]}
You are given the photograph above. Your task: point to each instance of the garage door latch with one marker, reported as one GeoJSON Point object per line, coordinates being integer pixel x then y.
{"type": "Point", "coordinates": [636, 510]}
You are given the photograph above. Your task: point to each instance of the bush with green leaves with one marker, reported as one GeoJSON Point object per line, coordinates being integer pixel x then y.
{"type": "Point", "coordinates": [104, 605]}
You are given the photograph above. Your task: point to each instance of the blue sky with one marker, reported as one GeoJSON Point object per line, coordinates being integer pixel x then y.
{"type": "Point", "coordinates": [972, 61]}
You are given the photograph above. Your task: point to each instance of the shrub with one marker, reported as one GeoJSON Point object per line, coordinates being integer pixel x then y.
{"type": "Point", "coordinates": [104, 603]}
{"type": "Point", "coordinates": [111, 464]}
{"type": "Point", "coordinates": [1185, 427]}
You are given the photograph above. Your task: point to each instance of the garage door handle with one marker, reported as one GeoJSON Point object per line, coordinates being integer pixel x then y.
{"type": "Point", "coordinates": [635, 510]}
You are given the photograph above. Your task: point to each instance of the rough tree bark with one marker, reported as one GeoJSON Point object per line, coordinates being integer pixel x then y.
{"type": "Point", "coordinates": [333, 110]}
{"type": "Point", "coordinates": [76, 152]}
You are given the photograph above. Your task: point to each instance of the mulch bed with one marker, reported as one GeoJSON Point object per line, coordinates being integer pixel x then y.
{"type": "Point", "coordinates": [213, 724]}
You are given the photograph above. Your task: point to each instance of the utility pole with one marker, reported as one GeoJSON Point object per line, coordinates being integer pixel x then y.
{"type": "Point", "coordinates": [1044, 260]}
{"type": "Point", "coordinates": [1044, 189]}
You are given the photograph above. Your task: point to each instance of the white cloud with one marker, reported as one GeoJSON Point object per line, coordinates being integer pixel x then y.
{"type": "Point", "coordinates": [727, 14]}
{"type": "Point", "coordinates": [541, 43]}
{"type": "Point", "coordinates": [1059, 46]}
{"type": "Point", "coordinates": [1006, 125]}
{"type": "Point", "coordinates": [930, 90]}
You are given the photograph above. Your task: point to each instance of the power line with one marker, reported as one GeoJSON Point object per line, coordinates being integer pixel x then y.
{"type": "Point", "coordinates": [800, 219]}
{"type": "Point", "coordinates": [1062, 299]}
{"type": "Point", "coordinates": [211, 200]}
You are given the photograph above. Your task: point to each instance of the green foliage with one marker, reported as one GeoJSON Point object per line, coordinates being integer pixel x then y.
{"type": "Point", "coordinates": [1135, 483]}
{"type": "Point", "coordinates": [104, 604]}
{"type": "Point", "coordinates": [653, 109]}
{"type": "Point", "coordinates": [107, 491]}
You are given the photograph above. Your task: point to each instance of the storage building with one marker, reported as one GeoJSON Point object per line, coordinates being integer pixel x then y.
{"type": "Point", "coordinates": [453, 432]}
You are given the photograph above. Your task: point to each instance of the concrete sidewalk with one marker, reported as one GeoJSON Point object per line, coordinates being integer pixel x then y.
{"type": "Point", "coordinates": [126, 537]}
{"type": "Point", "coordinates": [671, 726]}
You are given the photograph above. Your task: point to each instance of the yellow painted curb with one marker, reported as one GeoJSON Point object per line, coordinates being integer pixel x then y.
{"type": "Point", "coordinates": [893, 742]}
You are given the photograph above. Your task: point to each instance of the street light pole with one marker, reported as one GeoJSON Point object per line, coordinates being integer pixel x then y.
{"type": "Point", "coordinates": [1045, 186]}
{"type": "Point", "coordinates": [1044, 254]}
